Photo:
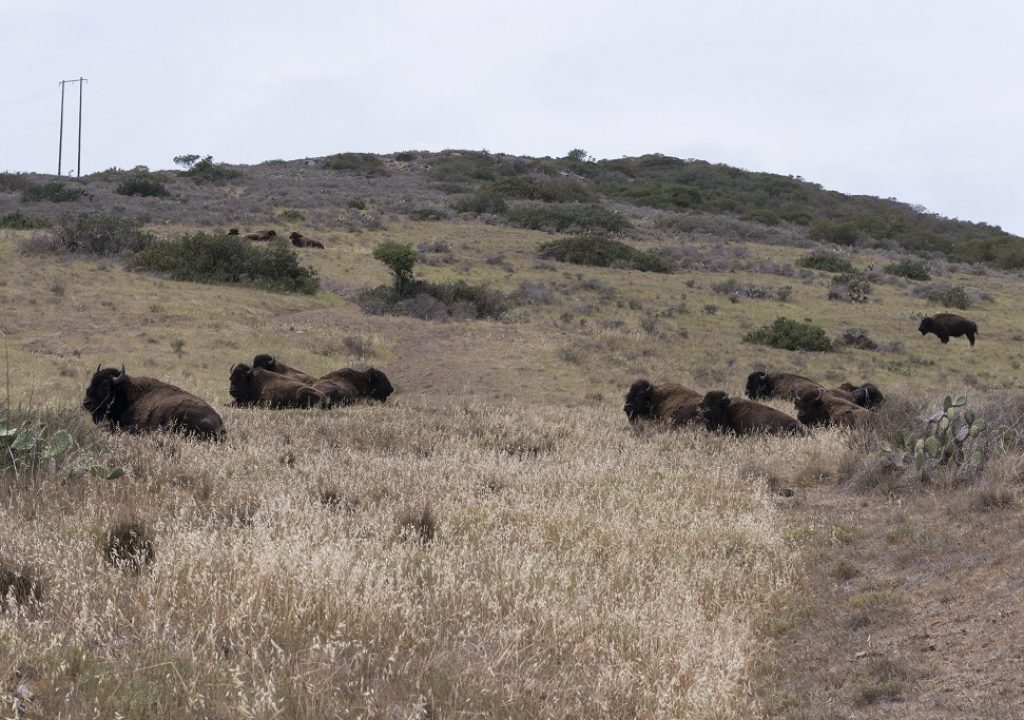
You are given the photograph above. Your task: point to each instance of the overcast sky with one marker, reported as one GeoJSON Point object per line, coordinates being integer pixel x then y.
{"type": "Point", "coordinates": [922, 101]}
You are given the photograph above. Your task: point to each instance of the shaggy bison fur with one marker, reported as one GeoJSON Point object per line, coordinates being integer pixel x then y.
{"type": "Point", "coordinates": [745, 417]}
{"type": "Point", "coordinates": [867, 395]}
{"type": "Point", "coordinates": [947, 325]}
{"type": "Point", "coordinates": [342, 387]}
{"type": "Point", "coordinates": [298, 240]}
{"type": "Point", "coordinates": [271, 363]}
{"type": "Point", "coordinates": [819, 408]}
{"type": "Point", "coordinates": [370, 383]}
{"type": "Point", "coordinates": [138, 404]}
{"type": "Point", "coordinates": [671, 403]}
{"type": "Point", "coordinates": [761, 384]}
{"type": "Point", "coordinates": [256, 386]}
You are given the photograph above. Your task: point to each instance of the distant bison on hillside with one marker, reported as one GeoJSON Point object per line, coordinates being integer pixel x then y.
{"type": "Point", "coordinates": [138, 404]}
{"type": "Point", "coordinates": [947, 325]}
{"type": "Point", "coordinates": [299, 240]}
{"type": "Point", "coordinates": [671, 403]}
{"type": "Point", "coordinates": [262, 235]}
{"type": "Point", "coordinates": [256, 386]}
{"type": "Point", "coordinates": [744, 417]}
{"type": "Point", "coordinates": [762, 384]}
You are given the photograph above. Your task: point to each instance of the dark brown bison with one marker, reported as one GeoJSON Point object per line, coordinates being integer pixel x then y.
{"type": "Point", "coordinates": [762, 384]}
{"type": "Point", "coordinates": [138, 404]}
{"type": "Point", "coordinates": [370, 383]}
{"type": "Point", "coordinates": [256, 386]}
{"type": "Point", "coordinates": [271, 363]}
{"type": "Point", "coordinates": [816, 407]}
{"type": "Point", "coordinates": [947, 325]}
{"type": "Point", "coordinates": [299, 240]}
{"type": "Point", "coordinates": [338, 392]}
{"type": "Point", "coordinates": [867, 395]}
{"type": "Point", "coordinates": [262, 235]}
{"type": "Point", "coordinates": [233, 231]}
{"type": "Point", "coordinates": [745, 417]}
{"type": "Point", "coordinates": [671, 403]}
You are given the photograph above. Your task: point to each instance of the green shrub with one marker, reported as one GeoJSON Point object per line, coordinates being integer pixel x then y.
{"type": "Point", "coordinates": [205, 258]}
{"type": "Point", "coordinates": [839, 233]}
{"type": "Point", "coordinates": [787, 334]}
{"type": "Point", "coordinates": [406, 155]}
{"type": "Point", "coordinates": [825, 261]}
{"type": "Point", "coordinates": [482, 202]}
{"type": "Point", "coordinates": [600, 250]}
{"type": "Point", "coordinates": [365, 164]}
{"type": "Point", "coordinates": [206, 170]}
{"type": "Point", "coordinates": [954, 296]}
{"type": "Point", "coordinates": [143, 184]}
{"type": "Point", "coordinates": [910, 269]}
{"type": "Point", "coordinates": [437, 301]}
{"type": "Point", "coordinates": [400, 259]}
{"type": "Point", "coordinates": [14, 182]}
{"type": "Point", "coordinates": [528, 188]}
{"type": "Point", "coordinates": [428, 213]}
{"type": "Point", "coordinates": [853, 286]}
{"type": "Point", "coordinates": [565, 217]}
{"type": "Point", "coordinates": [51, 191]}
{"type": "Point", "coordinates": [293, 216]}
{"type": "Point", "coordinates": [18, 221]}
{"type": "Point", "coordinates": [356, 203]}
{"type": "Point", "coordinates": [100, 234]}
{"type": "Point", "coordinates": [664, 197]}
{"type": "Point", "coordinates": [464, 166]}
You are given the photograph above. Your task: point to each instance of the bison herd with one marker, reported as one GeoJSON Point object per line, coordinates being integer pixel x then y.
{"type": "Point", "coordinates": [139, 404]}
{"type": "Point", "coordinates": [675, 404]}
{"type": "Point", "coordinates": [298, 239]}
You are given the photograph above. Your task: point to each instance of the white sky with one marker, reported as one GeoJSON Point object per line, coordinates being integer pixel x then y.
{"type": "Point", "coordinates": [922, 101]}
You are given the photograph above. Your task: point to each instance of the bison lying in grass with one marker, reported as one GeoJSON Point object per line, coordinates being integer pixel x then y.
{"type": "Point", "coordinates": [947, 325]}
{"type": "Point", "coordinates": [256, 386]}
{"type": "Point", "coordinates": [745, 417]}
{"type": "Point", "coordinates": [867, 395]}
{"type": "Point", "coordinates": [762, 384]}
{"type": "Point", "coordinates": [341, 386]}
{"type": "Point", "coordinates": [138, 404]}
{"type": "Point", "coordinates": [262, 235]}
{"type": "Point", "coordinates": [820, 408]}
{"type": "Point", "coordinates": [671, 403]}
{"type": "Point", "coordinates": [299, 240]}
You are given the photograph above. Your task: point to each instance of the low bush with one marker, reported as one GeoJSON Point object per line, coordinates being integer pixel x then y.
{"type": "Point", "coordinates": [599, 250]}
{"type": "Point", "coordinates": [292, 216]}
{"type": "Point", "coordinates": [664, 197]}
{"type": "Point", "coordinates": [18, 221]}
{"type": "Point", "coordinates": [205, 258]}
{"type": "Point", "coordinates": [365, 164]}
{"type": "Point", "coordinates": [566, 217]}
{"type": "Point", "coordinates": [839, 233]}
{"type": "Point", "coordinates": [825, 261]}
{"type": "Point", "coordinates": [954, 296]}
{"type": "Point", "coordinates": [853, 286]}
{"type": "Point", "coordinates": [437, 301]}
{"type": "Point", "coordinates": [52, 192]}
{"type": "Point", "coordinates": [482, 202]}
{"type": "Point", "coordinates": [105, 234]}
{"type": "Point", "coordinates": [736, 289]}
{"type": "Point", "coordinates": [143, 184]}
{"type": "Point", "coordinates": [856, 338]}
{"type": "Point", "coordinates": [787, 334]}
{"type": "Point", "coordinates": [529, 188]}
{"type": "Point", "coordinates": [14, 182]}
{"type": "Point", "coordinates": [464, 166]}
{"type": "Point", "coordinates": [406, 155]}
{"type": "Point", "coordinates": [910, 269]}
{"type": "Point", "coordinates": [428, 213]}
{"type": "Point", "coordinates": [206, 170]}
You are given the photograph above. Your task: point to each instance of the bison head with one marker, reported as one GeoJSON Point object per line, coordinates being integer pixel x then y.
{"type": "Point", "coordinates": [712, 409]}
{"type": "Point", "coordinates": [639, 400]}
{"type": "Point", "coordinates": [810, 405]}
{"type": "Point", "coordinates": [295, 236]}
{"type": "Point", "coordinates": [242, 388]}
{"type": "Point", "coordinates": [104, 397]}
{"type": "Point", "coordinates": [758, 385]}
{"type": "Point", "coordinates": [926, 325]}
{"type": "Point", "coordinates": [267, 362]}
{"type": "Point", "coordinates": [868, 396]}
{"type": "Point", "coordinates": [379, 387]}
{"type": "Point", "coordinates": [233, 231]}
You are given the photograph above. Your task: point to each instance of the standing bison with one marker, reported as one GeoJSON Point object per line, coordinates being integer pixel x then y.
{"type": "Point", "coordinates": [139, 404]}
{"type": "Point", "coordinates": [947, 325]}
{"type": "Point", "coordinates": [671, 403]}
{"type": "Point", "coordinates": [745, 417]}
{"type": "Point", "coordinates": [819, 408]}
{"type": "Point", "coordinates": [256, 386]}
{"type": "Point", "coordinates": [761, 384]}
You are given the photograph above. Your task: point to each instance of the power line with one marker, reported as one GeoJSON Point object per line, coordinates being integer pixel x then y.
{"type": "Point", "coordinates": [60, 144]}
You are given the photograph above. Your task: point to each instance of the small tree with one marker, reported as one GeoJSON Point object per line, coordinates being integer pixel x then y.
{"type": "Point", "coordinates": [400, 258]}
{"type": "Point", "coordinates": [578, 155]}
{"type": "Point", "coordinates": [186, 161]}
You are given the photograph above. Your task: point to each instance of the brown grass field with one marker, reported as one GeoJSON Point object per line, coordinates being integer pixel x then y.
{"type": "Point", "coordinates": [496, 540]}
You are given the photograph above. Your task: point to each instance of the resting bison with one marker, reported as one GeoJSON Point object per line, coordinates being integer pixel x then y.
{"type": "Point", "coordinates": [301, 241]}
{"type": "Point", "coordinates": [867, 395]}
{"type": "Point", "coordinates": [262, 235]}
{"type": "Point", "coordinates": [671, 403]}
{"type": "Point", "coordinates": [270, 362]}
{"type": "Point", "coordinates": [370, 383]}
{"type": "Point", "coordinates": [233, 231]}
{"type": "Point", "coordinates": [256, 386]}
{"type": "Point", "coordinates": [819, 408]}
{"type": "Point", "coordinates": [761, 384]}
{"type": "Point", "coordinates": [138, 404]}
{"type": "Point", "coordinates": [744, 417]}
{"type": "Point", "coordinates": [947, 325]}
{"type": "Point", "coordinates": [338, 392]}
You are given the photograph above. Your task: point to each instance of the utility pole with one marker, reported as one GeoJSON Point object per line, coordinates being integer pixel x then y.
{"type": "Point", "coordinates": [60, 145]}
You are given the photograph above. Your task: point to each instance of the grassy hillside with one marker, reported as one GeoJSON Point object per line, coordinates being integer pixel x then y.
{"type": "Point", "coordinates": [497, 539]}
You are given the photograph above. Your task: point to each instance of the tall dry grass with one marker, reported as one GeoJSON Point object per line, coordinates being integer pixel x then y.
{"type": "Point", "coordinates": [577, 568]}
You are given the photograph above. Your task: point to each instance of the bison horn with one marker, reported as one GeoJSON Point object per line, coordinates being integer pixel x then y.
{"type": "Point", "coordinates": [232, 370]}
{"type": "Point", "coordinates": [818, 395]}
{"type": "Point", "coordinates": [120, 378]}
{"type": "Point", "coordinates": [98, 366]}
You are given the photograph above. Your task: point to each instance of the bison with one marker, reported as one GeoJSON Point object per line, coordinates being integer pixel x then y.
{"type": "Point", "coordinates": [761, 384]}
{"type": "Point", "coordinates": [370, 383]}
{"type": "Point", "coordinates": [262, 235]}
{"type": "Point", "coordinates": [139, 404]}
{"type": "Point", "coordinates": [671, 403]}
{"type": "Point", "coordinates": [820, 408]}
{"type": "Point", "coordinates": [299, 240]}
{"type": "Point", "coordinates": [270, 362]}
{"type": "Point", "coordinates": [233, 231]}
{"type": "Point", "coordinates": [338, 391]}
{"type": "Point", "coordinates": [745, 417]}
{"type": "Point", "coordinates": [256, 386]}
{"type": "Point", "coordinates": [867, 395]}
{"type": "Point", "coordinates": [947, 325]}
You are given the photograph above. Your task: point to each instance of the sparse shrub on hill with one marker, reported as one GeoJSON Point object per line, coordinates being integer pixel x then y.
{"type": "Point", "coordinates": [910, 269]}
{"type": "Point", "coordinates": [14, 182]}
{"type": "Point", "coordinates": [51, 192]}
{"type": "Point", "coordinates": [840, 233]}
{"type": "Point", "coordinates": [143, 183]}
{"type": "Point", "coordinates": [529, 188]}
{"type": "Point", "coordinates": [106, 234]}
{"type": "Point", "coordinates": [950, 296]}
{"type": "Point", "coordinates": [787, 334]}
{"type": "Point", "coordinates": [856, 338]}
{"type": "Point", "coordinates": [599, 250]}
{"type": "Point", "coordinates": [292, 216]}
{"type": "Point", "coordinates": [853, 286]}
{"type": "Point", "coordinates": [466, 166]}
{"type": "Point", "coordinates": [18, 221]}
{"type": "Point", "coordinates": [365, 164]}
{"type": "Point", "coordinates": [205, 169]}
{"type": "Point", "coordinates": [736, 289]}
{"type": "Point", "coordinates": [206, 258]}
{"type": "Point", "coordinates": [428, 213]}
{"type": "Point", "coordinates": [482, 202]}
{"type": "Point", "coordinates": [406, 155]}
{"type": "Point", "coordinates": [825, 261]}
{"type": "Point", "coordinates": [664, 197]}
{"type": "Point", "coordinates": [566, 217]}
{"type": "Point", "coordinates": [400, 259]}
